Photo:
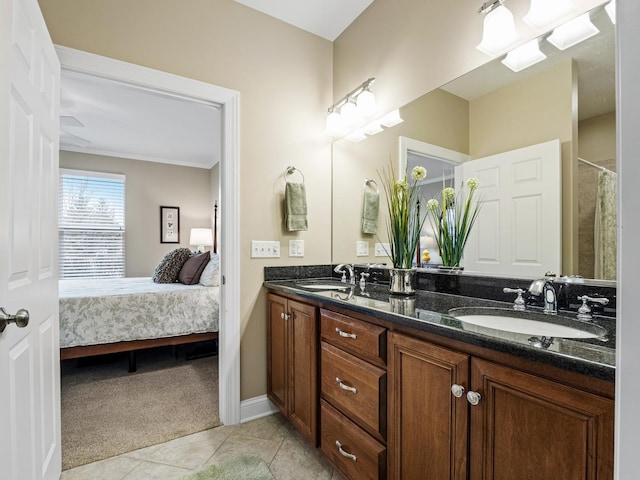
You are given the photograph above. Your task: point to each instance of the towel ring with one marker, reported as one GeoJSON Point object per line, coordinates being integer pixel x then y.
{"type": "Point", "coordinates": [370, 182]}
{"type": "Point", "coordinates": [291, 171]}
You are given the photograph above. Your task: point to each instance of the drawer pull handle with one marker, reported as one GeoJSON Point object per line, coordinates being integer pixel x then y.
{"type": "Point", "coordinates": [345, 386]}
{"type": "Point", "coordinates": [345, 334]}
{"type": "Point", "coordinates": [343, 453]}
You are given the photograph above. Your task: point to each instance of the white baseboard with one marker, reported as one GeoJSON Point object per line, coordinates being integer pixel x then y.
{"type": "Point", "coordinates": [256, 407]}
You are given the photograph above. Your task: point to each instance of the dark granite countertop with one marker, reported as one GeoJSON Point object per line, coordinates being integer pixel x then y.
{"type": "Point", "coordinates": [428, 311]}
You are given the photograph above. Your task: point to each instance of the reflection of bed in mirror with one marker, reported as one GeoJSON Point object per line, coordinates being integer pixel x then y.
{"type": "Point", "coordinates": [493, 110]}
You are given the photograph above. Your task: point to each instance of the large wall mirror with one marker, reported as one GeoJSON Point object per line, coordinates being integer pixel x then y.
{"type": "Point", "coordinates": [570, 97]}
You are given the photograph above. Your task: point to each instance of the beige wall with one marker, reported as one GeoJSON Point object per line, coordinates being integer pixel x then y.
{"type": "Point", "coordinates": [148, 186]}
{"type": "Point", "coordinates": [284, 77]}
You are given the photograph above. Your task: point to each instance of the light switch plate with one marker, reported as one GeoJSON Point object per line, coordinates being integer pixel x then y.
{"type": "Point", "coordinates": [362, 249]}
{"type": "Point", "coordinates": [265, 249]}
{"type": "Point", "coordinates": [296, 248]}
{"type": "Point", "coordinates": [381, 250]}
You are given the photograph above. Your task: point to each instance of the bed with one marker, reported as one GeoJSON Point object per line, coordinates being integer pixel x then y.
{"type": "Point", "coordinates": [110, 315]}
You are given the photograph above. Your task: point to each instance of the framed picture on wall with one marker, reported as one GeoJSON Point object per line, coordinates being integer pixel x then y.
{"type": "Point", "coordinates": [169, 224]}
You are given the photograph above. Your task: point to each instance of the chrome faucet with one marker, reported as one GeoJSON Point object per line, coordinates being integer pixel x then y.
{"type": "Point", "coordinates": [349, 268]}
{"type": "Point", "coordinates": [544, 287]}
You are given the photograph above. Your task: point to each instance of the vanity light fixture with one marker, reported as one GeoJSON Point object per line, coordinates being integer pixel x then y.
{"type": "Point", "coordinates": [543, 13]}
{"type": "Point", "coordinates": [499, 30]}
{"type": "Point", "coordinates": [611, 10]}
{"type": "Point", "coordinates": [524, 56]}
{"type": "Point", "coordinates": [573, 32]}
{"type": "Point", "coordinates": [352, 109]}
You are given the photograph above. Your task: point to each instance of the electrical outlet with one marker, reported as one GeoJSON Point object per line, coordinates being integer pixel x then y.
{"type": "Point", "coordinates": [362, 249]}
{"type": "Point", "coordinates": [381, 250]}
{"type": "Point", "coordinates": [265, 249]}
{"type": "Point", "coordinates": [296, 248]}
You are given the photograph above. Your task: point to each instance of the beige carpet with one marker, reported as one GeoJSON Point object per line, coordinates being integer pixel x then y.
{"type": "Point", "coordinates": [107, 411]}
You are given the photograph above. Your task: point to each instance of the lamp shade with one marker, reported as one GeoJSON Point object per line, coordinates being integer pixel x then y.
{"type": "Point", "coordinates": [334, 126]}
{"type": "Point", "coordinates": [524, 56]}
{"type": "Point", "coordinates": [544, 12]}
{"type": "Point", "coordinates": [499, 31]}
{"type": "Point", "coordinates": [573, 32]}
{"type": "Point", "coordinates": [202, 237]}
{"type": "Point", "coordinates": [366, 104]}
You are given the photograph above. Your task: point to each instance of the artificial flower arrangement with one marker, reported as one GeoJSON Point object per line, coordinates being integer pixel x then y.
{"type": "Point", "coordinates": [404, 225]}
{"type": "Point", "coordinates": [452, 220]}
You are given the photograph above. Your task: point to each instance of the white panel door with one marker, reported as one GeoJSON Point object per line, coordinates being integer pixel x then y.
{"type": "Point", "coordinates": [29, 356]}
{"type": "Point", "coordinates": [518, 231]}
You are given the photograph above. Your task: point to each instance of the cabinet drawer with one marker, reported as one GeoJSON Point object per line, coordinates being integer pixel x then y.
{"type": "Point", "coordinates": [355, 387]}
{"type": "Point", "coordinates": [364, 339]}
{"type": "Point", "coordinates": [349, 448]}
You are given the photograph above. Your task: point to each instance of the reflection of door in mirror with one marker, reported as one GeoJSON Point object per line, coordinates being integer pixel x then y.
{"type": "Point", "coordinates": [518, 231]}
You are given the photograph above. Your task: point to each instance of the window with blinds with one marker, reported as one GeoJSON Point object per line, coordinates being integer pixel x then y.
{"type": "Point", "coordinates": [91, 224]}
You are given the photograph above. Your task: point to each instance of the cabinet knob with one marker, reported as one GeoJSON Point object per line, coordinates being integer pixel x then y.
{"type": "Point", "coordinates": [346, 387]}
{"type": "Point", "coordinates": [345, 334]}
{"type": "Point", "coordinates": [283, 316]}
{"type": "Point", "coordinates": [473, 397]}
{"type": "Point", "coordinates": [345, 453]}
{"type": "Point", "coordinates": [457, 390]}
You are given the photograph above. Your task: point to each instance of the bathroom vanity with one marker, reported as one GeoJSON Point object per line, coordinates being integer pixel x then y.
{"type": "Point", "coordinates": [397, 388]}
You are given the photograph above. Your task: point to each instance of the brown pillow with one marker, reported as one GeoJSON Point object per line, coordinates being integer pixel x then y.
{"type": "Point", "coordinates": [168, 269]}
{"type": "Point", "coordinates": [192, 268]}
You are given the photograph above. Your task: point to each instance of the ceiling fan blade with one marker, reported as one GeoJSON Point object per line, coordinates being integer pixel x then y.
{"type": "Point", "coordinates": [70, 121]}
{"type": "Point", "coordinates": [69, 138]}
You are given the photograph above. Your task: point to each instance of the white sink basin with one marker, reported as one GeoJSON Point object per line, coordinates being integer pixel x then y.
{"type": "Point", "coordinates": [527, 323]}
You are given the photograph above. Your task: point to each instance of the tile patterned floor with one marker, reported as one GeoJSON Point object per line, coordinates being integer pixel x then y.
{"type": "Point", "coordinates": [272, 438]}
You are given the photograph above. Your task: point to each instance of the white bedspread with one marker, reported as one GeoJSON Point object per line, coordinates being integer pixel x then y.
{"type": "Point", "coordinates": [97, 311]}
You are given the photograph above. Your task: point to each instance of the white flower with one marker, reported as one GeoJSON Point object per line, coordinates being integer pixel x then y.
{"type": "Point", "coordinates": [433, 204]}
{"type": "Point", "coordinates": [448, 194]}
{"type": "Point", "coordinates": [418, 173]}
{"type": "Point", "coordinates": [473, 183]}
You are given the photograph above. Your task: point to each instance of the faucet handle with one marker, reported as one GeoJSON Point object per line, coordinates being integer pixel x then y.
{"type": "Point", "coordinates": [584, 312]}
{"type": "Point", "coordinates": [518, 304]}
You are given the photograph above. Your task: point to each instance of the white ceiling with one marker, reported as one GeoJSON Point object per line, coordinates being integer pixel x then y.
{"type": "Point", "coordinates": [104, 117]}
{"type": "Point", "coordinates": [325, 18]}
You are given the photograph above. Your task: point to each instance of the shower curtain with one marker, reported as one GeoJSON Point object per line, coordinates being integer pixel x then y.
{"type": "Point", "coordinates": [605, 240]}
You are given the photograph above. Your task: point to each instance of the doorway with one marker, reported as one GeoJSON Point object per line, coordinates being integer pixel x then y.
{"type": "Point", "coordinates": [229, 336]}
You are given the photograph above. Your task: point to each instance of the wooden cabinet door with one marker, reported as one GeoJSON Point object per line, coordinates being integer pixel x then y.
{"type": "Point", "coordinates": [529, 428]}
{"type": "Point", "coordinates": [277, 371]}
{"type": "Point", "coordinates": [303, 366]}
{"type": "Point", "coordinates": [427, 425]}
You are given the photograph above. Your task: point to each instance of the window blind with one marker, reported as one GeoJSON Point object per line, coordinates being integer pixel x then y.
{"type": "Point", "coordinates": [91, 224]}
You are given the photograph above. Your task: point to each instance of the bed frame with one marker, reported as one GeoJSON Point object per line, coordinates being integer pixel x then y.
{"type": "Point", "coordinates": [133, 346]}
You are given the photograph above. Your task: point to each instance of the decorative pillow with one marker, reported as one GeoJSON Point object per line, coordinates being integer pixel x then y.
{"type": "Point", "coordinates": [168, 269]}
{"type": "Point", "coordinates": [192, 268]}
{"type": "Point", "coordinates": [211, 274]}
